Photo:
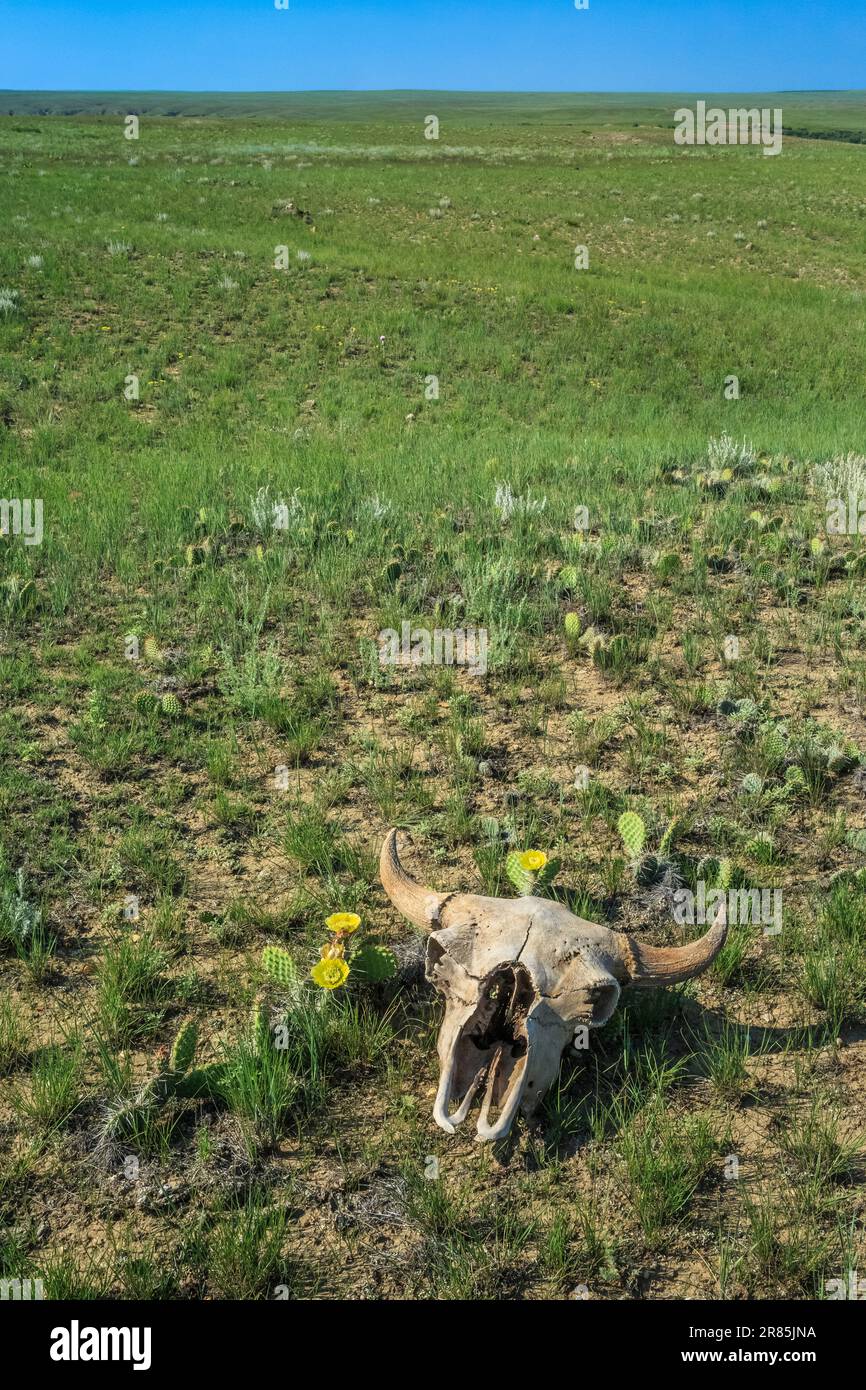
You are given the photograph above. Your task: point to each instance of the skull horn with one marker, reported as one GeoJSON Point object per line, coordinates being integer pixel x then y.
{"type": "Point", "coordinates": [668, 965]}
{"type": "Point", "coordinates": [421, 905]}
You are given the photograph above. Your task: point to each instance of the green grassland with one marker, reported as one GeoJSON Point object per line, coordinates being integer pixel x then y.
{"type": "Point", "coordinates": [308, 1169]}
{"type": "Point", "coordinates": [838, 111]}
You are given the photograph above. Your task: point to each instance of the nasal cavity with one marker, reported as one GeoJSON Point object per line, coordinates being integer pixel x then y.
{"type": "Point", "coordinates": [506, 998]}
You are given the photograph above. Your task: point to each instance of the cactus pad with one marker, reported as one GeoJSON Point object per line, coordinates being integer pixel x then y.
{"type": "Point", "coordinates": [279, 965]}
{"type": "Point", "coordinates": [632, 832]}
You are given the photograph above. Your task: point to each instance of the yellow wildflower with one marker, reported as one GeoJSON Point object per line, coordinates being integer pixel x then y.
{"type": "Point", "coordinates": [532, 860]}
{"type": "Point", "coordinates": [343, 921]}
{"type": "Point", "coordinates": [330, 974]}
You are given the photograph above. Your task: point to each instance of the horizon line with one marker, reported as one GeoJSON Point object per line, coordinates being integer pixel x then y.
{"type": "Point", "coordinates": [456, 91]}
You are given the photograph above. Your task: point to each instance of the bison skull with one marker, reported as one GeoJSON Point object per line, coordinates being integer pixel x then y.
{"type": "Point", "coordinates": [519, 977]}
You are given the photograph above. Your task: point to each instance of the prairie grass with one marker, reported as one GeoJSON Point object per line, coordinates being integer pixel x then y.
{"type": "Point", "coordinates": [194, 717]}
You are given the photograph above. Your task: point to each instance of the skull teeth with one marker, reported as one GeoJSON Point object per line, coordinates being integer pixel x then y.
{"type": "Point", "coordinates": [443, 1098]}
{"type": "Point", "coordinates": [510, 1100]}
{"type": "Point", "coordinates": [488, 1073]}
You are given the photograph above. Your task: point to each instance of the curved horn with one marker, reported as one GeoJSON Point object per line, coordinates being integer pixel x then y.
{"type": "Point", "coordinates": [668, 965]}
{"type": "Point", "coordinates": [421, 905]}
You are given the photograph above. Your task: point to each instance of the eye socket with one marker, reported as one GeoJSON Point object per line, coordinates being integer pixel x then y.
{"type": "Point", "coordinates": [435, 952]}
{"type": "Point", "coordinates": [604, 999]}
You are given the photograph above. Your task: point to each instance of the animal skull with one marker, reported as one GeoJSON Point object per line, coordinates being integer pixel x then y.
{"type": "Point", "coordinates": [519, 977]}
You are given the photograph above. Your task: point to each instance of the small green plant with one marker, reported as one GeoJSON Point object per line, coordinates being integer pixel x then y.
{"type": "Point", "coordinates": [257, 1081]}
{"type": "Point", "coordinates": [743, 715]}
{"type": "Point", "coordinates": [19, 596]}
{"type": "Point", "coordinates": [762, 847]}
{"type": "Point", "coordinates": [244, 1257]}
{"type": "Point", "coordinates": [20, 918]}
{"type": "Point", "coordinates": [14, 1040]}
{"type": "Point", "coordinates": [726, 1055]}
{"type": "Point", "coordinates": [666, 1158]}
{"type": "Point", "coordinates": [132, 988]}
{"type": "Point", "coordinates": [674, 829]}
{"type": "Point", "coordinates": [666, 564]}
{"type": "Point", "coordinates": [54, 1094]}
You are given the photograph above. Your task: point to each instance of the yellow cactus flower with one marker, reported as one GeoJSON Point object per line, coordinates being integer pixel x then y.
{"type": "Point", "coordinates": [343, 921]}
{"type": "Point", "coordinates": [330, 974]}
{"type": "Point", "coordinates": [532, 860]}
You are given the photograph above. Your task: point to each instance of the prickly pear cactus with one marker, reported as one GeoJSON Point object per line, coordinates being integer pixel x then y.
{"type": "Point", "coordinates": [523, 881]}
{"type": "Point", "coordinates": [774, 747]}
{"type": "Point", "coordinates": [839, 759]}
{"type": "Point", "coordinates": [632, 832]}
{"type": "Point", "coordinates": [145, 701]}
{"type": "Point", "coordinates": [531, 871]}
{"type": "Point", "coordinates": [743, 714]}
{"type": "Point", "coordinates": [183, 1049]}
{"type": "Point", "coordinates": [674, 829]}
{"type": "Point", "coordinates": [747, 712]}
{"type": "Point", "coordinates": [795, 780]}
{"type": "Point", "coordinates": [203, 1083]}
{"type": "Point", "coordinates": [374, 963]}
{"type": "Point", "coordinates": [491, 829]}
{"type": "Point", "coordinates": [197, 554]}
{"type": "Point", "coordinates": [279, 965]}
{"type": "Point", "coordinates": [648, 871]}
{"type": "Point", "coordinates": [591, 641]}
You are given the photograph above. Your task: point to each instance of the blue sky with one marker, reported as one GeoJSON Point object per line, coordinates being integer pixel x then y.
{"type": "Point", "coordinates": [516, 45]}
